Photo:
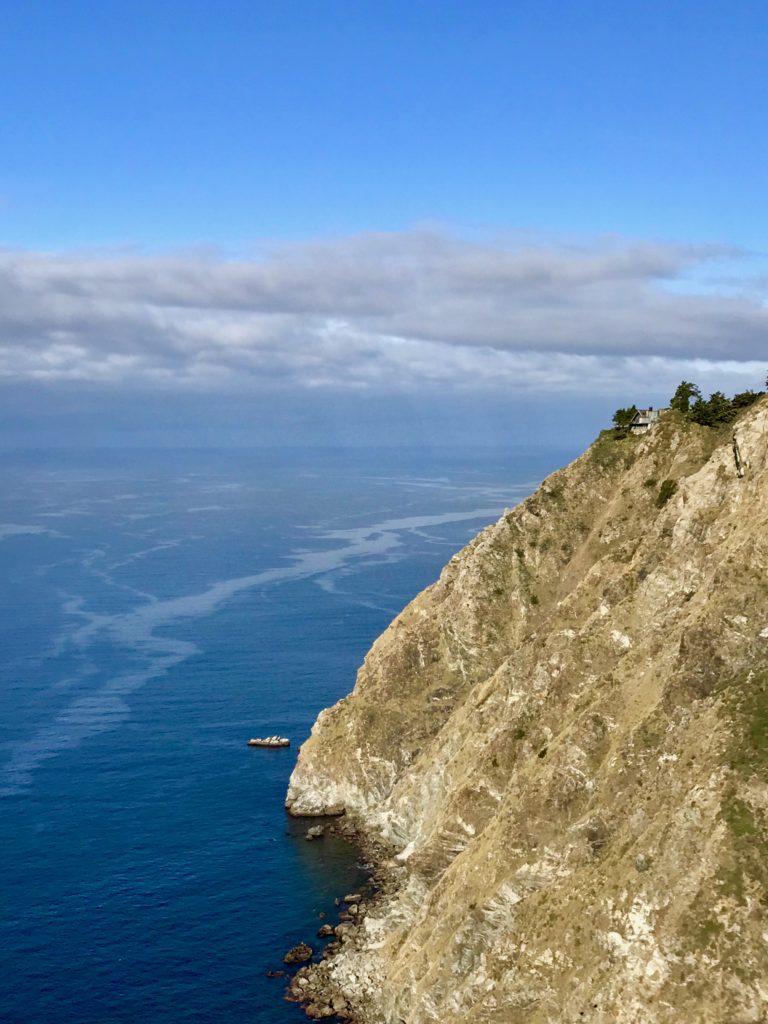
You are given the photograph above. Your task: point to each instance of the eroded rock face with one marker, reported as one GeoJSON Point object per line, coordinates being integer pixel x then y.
{"type": "Point", "coordinates": [563, 744]}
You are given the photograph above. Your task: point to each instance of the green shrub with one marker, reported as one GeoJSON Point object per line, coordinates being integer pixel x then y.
{"type": "Point", "coordinates": [667, 489]}
{"type": "Point", "coordinates": [746, 398]}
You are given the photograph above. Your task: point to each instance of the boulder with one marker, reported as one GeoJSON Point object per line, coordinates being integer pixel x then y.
{"type": "Point", "coordinates": [316, 1011]}
{"type": "Point", "coordinates": [298, 954]}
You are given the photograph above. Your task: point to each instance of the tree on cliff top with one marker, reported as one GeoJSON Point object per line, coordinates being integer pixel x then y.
{"type": "Point", "coordinates": [712, 411]}
{"type": "Point", "coordinates": [715, 410]}
{"type": "Point", "coordinates": [681, 400]}
{"type": "Point", "coordinates": [622, 418]}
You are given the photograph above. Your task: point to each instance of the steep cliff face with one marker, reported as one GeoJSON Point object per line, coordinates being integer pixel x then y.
{"type": "Point", "coordinates": [564, 744]}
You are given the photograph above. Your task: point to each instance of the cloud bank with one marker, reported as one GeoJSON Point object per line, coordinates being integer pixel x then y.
{"type": "Point", "coordinates": [382, 312]}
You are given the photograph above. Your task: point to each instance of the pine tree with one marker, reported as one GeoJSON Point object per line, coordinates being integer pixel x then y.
{"type": "Point", "coordinates": [681, 400]}
{"type": "Point", "coordinates": [622, 418]}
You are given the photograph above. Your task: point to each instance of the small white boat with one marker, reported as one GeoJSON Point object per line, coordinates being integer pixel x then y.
{"type": "Point", "coordinates": [270, 741]}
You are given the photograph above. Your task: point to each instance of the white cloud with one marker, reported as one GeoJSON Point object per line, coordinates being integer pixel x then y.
{"type": "Point", "coordinates": [385, 312]}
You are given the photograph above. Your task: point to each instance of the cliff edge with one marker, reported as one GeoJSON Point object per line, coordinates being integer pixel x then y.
{"type": "Point", "coordinates": [562, 746]}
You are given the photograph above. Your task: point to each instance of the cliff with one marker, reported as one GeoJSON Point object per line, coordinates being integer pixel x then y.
{"type": "Point", "coordinates": [563, 747]}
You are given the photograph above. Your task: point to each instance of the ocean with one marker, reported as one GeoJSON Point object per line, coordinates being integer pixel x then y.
{"type": "Point", "coordinates": [158, 609]}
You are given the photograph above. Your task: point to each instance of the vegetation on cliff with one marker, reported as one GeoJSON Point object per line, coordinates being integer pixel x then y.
{"type": "Point", "coordinates": [689, 402]}
{"type": "Point", "coordinates": [716, 409]}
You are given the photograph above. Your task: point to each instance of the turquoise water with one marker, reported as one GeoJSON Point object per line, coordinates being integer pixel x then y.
{"type": "Point", "coordinates": [157, 610]}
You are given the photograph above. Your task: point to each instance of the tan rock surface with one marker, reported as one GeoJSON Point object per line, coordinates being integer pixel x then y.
{"type": "Point", "coordinates": [564, 744]}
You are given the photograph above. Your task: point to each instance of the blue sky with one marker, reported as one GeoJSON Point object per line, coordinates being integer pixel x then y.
{"type": "Point", "coordinates": [588, 176]}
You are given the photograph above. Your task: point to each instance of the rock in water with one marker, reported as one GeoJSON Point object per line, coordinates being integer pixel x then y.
{"type": "Point", "coordinates": [622, 875]}
{"type": "Point", "coordinates": [298, 954]}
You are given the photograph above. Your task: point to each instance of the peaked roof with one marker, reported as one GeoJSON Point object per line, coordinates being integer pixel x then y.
{"type": "Point", "coordinates": [648, 415]}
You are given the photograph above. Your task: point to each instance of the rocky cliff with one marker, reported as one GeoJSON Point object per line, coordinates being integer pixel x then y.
{"type": "Point", "coordinates": [563, 747]}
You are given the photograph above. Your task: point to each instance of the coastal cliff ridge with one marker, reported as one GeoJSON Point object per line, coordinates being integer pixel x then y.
{"type": "Point", "coordinates": [560, 749]}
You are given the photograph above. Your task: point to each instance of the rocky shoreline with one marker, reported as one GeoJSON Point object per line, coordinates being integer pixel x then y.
{"type": "Point", "coordinates": [311, 985]}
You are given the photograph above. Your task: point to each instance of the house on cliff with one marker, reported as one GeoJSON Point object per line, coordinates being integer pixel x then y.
{"type": "Point", "coordinates": [644, 419]}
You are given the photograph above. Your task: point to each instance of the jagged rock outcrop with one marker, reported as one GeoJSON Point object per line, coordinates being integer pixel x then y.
{"type": "Point", "coordinates": [563, 743]}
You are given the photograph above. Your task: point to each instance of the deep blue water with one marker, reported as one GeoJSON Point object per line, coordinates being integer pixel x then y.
{"type": "Point", "coordinates": [157, 610]}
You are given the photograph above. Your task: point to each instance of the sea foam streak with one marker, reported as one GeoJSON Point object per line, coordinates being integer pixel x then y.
{"type": "Point", "coordinates": [106, 708]}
